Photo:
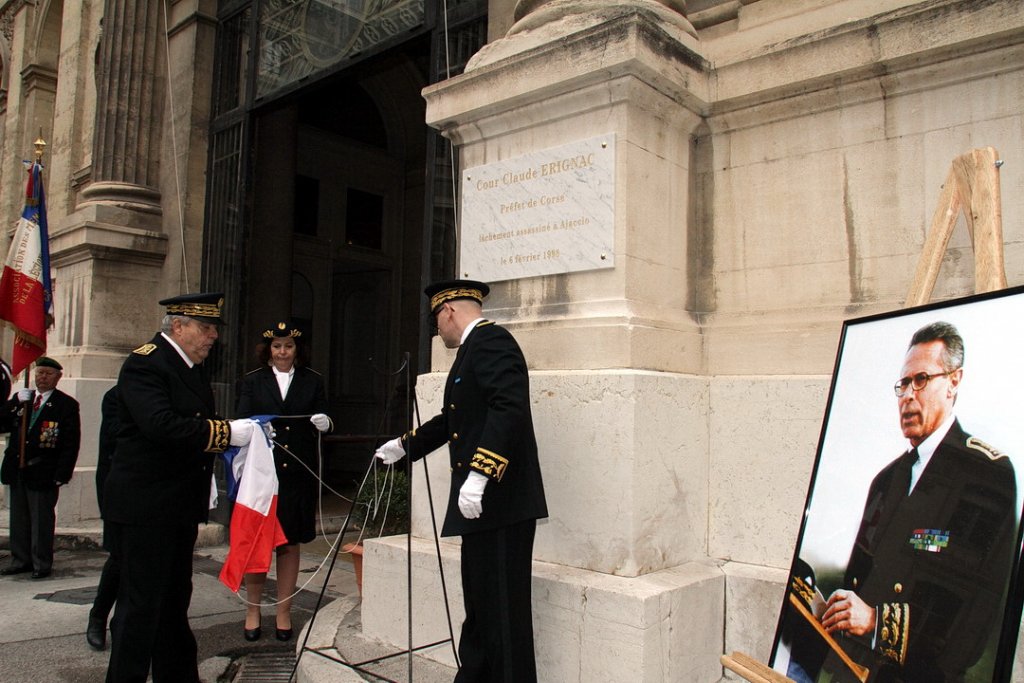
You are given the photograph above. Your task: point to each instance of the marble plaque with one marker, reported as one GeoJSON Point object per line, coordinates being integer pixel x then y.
{"type": "Point", "coordinates": [546, 212]}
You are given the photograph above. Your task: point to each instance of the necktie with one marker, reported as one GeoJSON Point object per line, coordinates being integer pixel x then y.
{"type": "Point", "coordinates": [38, 404]}
{"type": "Point", "coordinates": [915, 469]}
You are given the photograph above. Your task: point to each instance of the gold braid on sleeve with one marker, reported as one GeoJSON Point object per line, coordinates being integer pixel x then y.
{"type": "Point", "coordinates": [489, 464]}
{"type": "Point", "coordinates": [220, 436]}
{"type": "Point", "coordinates": [892, 637]}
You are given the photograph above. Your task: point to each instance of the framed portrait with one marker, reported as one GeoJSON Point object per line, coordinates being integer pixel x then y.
{"type": "Point", "coordinates": [907, 564]}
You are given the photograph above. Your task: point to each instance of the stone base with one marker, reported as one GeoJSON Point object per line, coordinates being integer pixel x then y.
{"type": "Point", "coordinates": [663, 626]}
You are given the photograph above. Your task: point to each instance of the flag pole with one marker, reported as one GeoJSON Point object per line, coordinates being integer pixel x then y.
{"type": "Point", "coordinates": [40, 145]}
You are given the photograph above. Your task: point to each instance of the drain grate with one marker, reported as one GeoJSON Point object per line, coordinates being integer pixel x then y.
{"type": "Point", "coordinates": [266, 667]}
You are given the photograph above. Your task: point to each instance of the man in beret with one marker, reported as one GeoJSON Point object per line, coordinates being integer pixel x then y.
{"type": "Point", "coordinates": [40, 458]}
{"type": "Point", "coordinates": [496, 494]}
{"type": "Point", "coordinates": [158, 490]}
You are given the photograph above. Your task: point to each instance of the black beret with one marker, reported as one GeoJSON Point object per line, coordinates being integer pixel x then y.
{"type": "Point", "coordinates": [47, 362]}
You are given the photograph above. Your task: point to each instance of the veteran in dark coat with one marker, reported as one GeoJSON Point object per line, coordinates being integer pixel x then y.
{"type": "Point", "coordinates": [496, 494]}
{"type": "Point", "coordinates": [158, 490]}
{"type": "Point", "coordinates": [285, 385]}
{"type": "Point", "coordinates": [925, 583]}
{"type": "Point", "coordinates": [52, 436]}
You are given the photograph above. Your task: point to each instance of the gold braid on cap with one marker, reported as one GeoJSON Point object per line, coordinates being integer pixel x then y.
{"type": "Point", "coordinates": [457, 293]}
{"type": "Point", "coordinates": [269, 334]}
{"type": "Point", "coordinates": [193, 310]}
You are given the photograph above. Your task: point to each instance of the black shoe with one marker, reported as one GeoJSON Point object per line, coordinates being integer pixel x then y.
{"type": "Point", "coordinates": [96, 633]}
{"type": "Point", "coordinates": [10, 571]}
{"type": "Point", "coordinates": [40, 575]}
{"type": "Point", "coordinates": [284, 634]}
{"type": "Point", "coordinates": [253, 634]}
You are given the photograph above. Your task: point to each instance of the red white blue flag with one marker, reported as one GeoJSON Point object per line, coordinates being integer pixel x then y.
{"type": "Point", "coordinates": [255, 530]}
{"type": "Point", "coordinates": [26, 298]}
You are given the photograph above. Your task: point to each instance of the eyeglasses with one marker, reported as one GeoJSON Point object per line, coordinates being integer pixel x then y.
{"type": "Point", "coordinates": [918, 381]}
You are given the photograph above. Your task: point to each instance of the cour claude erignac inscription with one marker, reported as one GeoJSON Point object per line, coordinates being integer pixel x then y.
{"type": "Point", "coordinates": [546, 212]}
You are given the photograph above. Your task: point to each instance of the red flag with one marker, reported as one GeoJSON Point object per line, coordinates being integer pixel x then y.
{"type": "Point", "coordinates": [26, 300]}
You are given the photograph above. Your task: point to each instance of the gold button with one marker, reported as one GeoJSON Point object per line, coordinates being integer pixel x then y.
{"type": "Point", "coordinates": [199, 414]}
{"type": "Point", "coordinates": [455, 436]}
{"type": "Point", "coordinates": [287, 428]}
{"type": "Point", "coordinates": [459, 465]}
{"type": "Point", "coordinates": [898, 588]}
{"type": "Point", "coordinates": [855, 582]}
{"type": "Point", "coordinates": [451, 406]}
{"type": "Point", "coordinates": [284, 465]}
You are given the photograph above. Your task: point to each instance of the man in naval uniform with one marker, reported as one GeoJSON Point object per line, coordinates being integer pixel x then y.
{"type": "Point", "coordinates": [158, 490]}
{"type": "Point", "coordinates": [924, 586]}
{"type": "Point", "coordinates": [496, 494]}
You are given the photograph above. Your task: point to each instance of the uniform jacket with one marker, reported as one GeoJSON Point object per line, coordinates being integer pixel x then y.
{"type": "Point", "coordinates": [487, 423]}
{"type": "Point", "coordinates": [935, 563]}
{"type": "Point", "coordinates": [168, 434]}
{"type": "Point", "coordinates": [51, 443]}
{"type": "Point", "coordinates": [260, 395]}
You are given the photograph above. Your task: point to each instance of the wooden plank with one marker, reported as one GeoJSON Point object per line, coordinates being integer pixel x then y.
{"type": "Point", "coordinates": [935, 242]}
{"type": "Point", "coordinates": [985, 208]}
{"type": "Point", "coordinates": [730, 663]}
{"type": "Point", "coordinates": [972, 185]}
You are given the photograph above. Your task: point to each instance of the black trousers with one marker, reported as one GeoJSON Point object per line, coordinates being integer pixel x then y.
{"type": "Point", "coordinates": [33, 521]}
{"type": "Point", "coordinates": [496, 645]}
{"type": "Point", "coordinates": [150, 624]}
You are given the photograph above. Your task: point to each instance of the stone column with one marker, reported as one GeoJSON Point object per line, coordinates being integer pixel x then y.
{"type": "Point", "coordinates": [129, 108]}
{"type": "Point", "coordinates": [109, 255]}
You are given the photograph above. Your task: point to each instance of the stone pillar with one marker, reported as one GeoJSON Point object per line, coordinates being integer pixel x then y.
{"type": "Point", "coordinates": [623, 586]}
{"type": "Point", "coordinates": [109, 255]}
{"type": "Point", "coordinates": [129, 108]}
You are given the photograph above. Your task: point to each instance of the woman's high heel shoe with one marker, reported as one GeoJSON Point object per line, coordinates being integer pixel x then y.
{"type": "Point", "coordinates": [284, 634]}
{"type": "Point", "coordinates": [253, 634]}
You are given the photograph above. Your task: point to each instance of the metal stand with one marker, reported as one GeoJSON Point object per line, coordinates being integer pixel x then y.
{"type": "Point", "coordinates": [412, 407]}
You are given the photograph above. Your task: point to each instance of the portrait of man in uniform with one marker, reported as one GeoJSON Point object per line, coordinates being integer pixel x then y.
{"type": "Point", "coordinates": [902, 569]}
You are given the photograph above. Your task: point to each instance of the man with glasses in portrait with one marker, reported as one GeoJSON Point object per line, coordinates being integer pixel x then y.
{"type": "Point", "coordinates": [925, 583]}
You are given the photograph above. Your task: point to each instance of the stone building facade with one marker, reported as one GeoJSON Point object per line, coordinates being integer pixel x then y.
{"type": "Point", "coordinates": [777, 166]}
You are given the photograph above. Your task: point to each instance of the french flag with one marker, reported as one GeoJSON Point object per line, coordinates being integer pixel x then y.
{"type": "Point", "coordinates": [26, 298]}
{"type": "Point", "coordinates": [255, 531]}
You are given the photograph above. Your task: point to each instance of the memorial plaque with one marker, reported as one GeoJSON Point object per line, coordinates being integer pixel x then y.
{"type": "Point", "coordinates": [546, 212]}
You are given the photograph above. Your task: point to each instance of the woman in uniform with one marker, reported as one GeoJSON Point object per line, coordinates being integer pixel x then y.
{"type": "Point", "coordinates": [285, 385]}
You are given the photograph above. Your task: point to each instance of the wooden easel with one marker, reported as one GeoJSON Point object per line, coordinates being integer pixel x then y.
{"type": "Point", "coordinates": [972, 186]}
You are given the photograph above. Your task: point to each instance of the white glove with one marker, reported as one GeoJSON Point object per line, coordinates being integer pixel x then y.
{"type": "Point", "coordinates": [471, 495]}
{"type": "Point", "coordinates": [25, 395]}
{"type": "Point", "coordinates": [241, 432]}
{"type": "Point", "coordinates": [391, 452]}
{"type": "Point", "coordinates": [321, 422]}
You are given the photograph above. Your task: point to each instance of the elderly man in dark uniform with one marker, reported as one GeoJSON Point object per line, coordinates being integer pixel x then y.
{"type": "Point", "coordinates": [496, 494]}
{"type": "Point", "coordinates": [158, 490]}
{"type": "Point", "coordinates": [36, 472]}
{"type": "Point", "coordinates": [924, 585]}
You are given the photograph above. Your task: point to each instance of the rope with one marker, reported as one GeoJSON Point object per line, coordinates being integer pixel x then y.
{"type": "Point", "coordinates": [174, 147]}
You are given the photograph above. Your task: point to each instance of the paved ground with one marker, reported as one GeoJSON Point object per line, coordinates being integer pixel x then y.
{"type": "Point", "coordinates": [42, 622]}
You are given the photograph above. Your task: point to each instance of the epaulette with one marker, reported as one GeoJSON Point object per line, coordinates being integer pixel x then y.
{"type": "Point", "coordinates": [979, 445]}
{"type": "Point", "coordinates": [145, 349]}
{"type": "Point", "coordinates": [485, 322]}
